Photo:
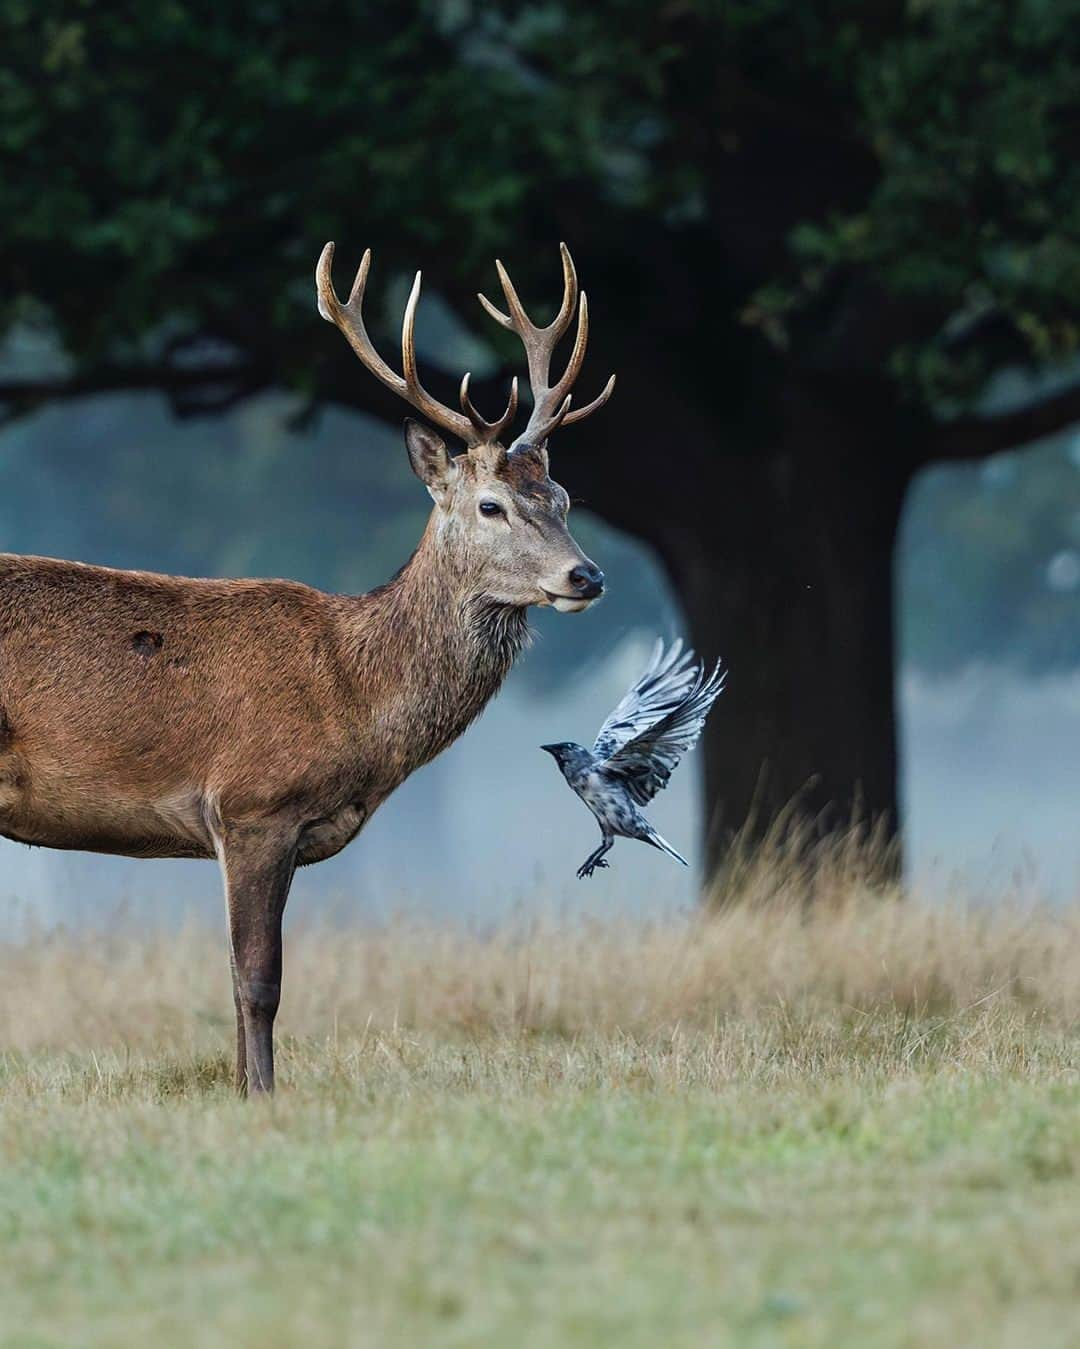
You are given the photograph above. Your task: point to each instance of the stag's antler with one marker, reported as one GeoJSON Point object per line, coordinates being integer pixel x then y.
{"type": "Point", "coordinates": [551, 402]}
{"type": "Point", "coordinates": [349, 317]}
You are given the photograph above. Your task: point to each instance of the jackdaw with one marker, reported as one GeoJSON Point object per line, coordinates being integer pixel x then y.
{"type": "Point", "coordinates": [639, 747]}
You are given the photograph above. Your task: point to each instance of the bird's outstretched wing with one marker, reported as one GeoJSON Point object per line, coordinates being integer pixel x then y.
{"type": "Point", "coordinates": [668, 678]}
{"type": "Point", "coordinates": [645, 763]}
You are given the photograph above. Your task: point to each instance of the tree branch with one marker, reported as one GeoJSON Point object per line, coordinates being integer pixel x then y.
{"type": "Point", "coordinates": [977, 436]}
{"type": "Point", "coordinates": [210, 390]}
{"type": "Point", "coordinates": [217, 387]}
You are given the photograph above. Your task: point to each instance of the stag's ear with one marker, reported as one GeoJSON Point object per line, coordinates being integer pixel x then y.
{"type": "Point", "coordinates": [431, 460]}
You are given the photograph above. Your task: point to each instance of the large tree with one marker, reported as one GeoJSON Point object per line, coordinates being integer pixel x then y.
{"type": "Point", "coordinates": [812, 232]}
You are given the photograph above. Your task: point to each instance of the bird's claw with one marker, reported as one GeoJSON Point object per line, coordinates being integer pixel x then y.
{"type": "Point", "coordinates": [587, 868]}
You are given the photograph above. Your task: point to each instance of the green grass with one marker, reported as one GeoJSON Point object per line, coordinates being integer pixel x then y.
{"type": "Point", "coordinates": [534, 1190]}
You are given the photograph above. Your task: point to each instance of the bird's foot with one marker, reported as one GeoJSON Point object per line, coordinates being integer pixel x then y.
{"type": "Point", "coordinates": [587, 868]}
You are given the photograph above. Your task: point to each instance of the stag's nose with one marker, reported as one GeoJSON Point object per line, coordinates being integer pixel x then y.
{"type": "Point", "coordinates": [587, 580]}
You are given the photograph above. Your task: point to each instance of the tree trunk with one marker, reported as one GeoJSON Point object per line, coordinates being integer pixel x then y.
{"type": "Point", "coordinates": [790, 581]}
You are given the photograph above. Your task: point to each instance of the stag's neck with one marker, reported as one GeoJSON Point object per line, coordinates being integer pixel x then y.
{"type": "Point", "coordinates": [430, 651]}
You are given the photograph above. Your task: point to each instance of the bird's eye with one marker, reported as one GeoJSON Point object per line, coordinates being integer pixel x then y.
{"type": "Point", "coordinates": [491, 508]}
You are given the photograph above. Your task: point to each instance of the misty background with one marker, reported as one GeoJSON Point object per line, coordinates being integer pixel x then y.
{"type": "Point", "coordinates": [988, 688]}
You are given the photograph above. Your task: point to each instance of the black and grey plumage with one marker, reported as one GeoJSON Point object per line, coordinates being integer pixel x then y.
{"type": "Point", "coordinates": [639, 746]}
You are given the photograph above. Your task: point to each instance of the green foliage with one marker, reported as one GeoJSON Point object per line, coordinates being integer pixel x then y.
{"type": "Point", "coordinates": [971, 110]}
{"type": "Point", "coordinates": [175, 166]}
{"type": "Point", "coordinates": [180, 164]}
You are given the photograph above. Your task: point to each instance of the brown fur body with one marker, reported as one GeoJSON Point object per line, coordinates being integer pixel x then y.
{"type": "Point", "coordinates": [189, 704]}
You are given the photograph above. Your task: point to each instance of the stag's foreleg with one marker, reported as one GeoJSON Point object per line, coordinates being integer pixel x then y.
{"type": "Point", "coordinates": [258, 866]}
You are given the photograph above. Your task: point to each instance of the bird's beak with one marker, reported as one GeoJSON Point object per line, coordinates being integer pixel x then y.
{"type": "Point", "coordinates": [550, 749]}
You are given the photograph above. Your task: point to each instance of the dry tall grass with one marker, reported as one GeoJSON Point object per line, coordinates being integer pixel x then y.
{"type": "Point", "coordinates": [818, 945]}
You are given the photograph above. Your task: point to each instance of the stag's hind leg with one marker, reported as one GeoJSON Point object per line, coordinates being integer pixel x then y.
{"type": "Point", "coordinates": [258, 866]}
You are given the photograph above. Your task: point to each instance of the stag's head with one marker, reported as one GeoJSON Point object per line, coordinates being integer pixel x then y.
{"type": "Point", "coordinates": [496, 508]}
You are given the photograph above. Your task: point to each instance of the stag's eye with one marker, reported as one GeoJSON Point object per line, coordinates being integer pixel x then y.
{"type": "Point", "coordinates": [491, 508]}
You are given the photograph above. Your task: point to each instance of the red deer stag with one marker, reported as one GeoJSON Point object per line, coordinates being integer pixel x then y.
{"type": "Point", "coordinates": [262, 722]}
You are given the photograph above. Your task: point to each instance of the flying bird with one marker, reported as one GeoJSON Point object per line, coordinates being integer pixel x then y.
{"type": "Point", "coordinates": [639, 747]}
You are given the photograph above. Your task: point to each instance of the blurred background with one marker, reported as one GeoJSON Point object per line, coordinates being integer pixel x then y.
{"type": "Point", "coordinates": [833, 252]}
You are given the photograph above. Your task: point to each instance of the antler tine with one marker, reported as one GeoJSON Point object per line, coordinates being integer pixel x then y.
{"type": "Point", "coordinates": [518, 317]}
{"type": "Point", "coordinates": [561, 321]}
{"type": "Point", "coordinates": [579, 414]}
{"type": "Point", "coordinates": [496, 314]}
{"type": "Point", "coordinates": [577, 355]}
{"type": "Point", "coordinates": [550, 401]}
{"type": "Point", "coordinates": [349, 317]}
{"type": "Point", "coordinates": [573, 369]}
{"type": "Point", "coordinates": [488, 431]}
{"type": "Point", "coordinates": [518, 314]}
{"type": "Point", "coordinates": [442, 416]}
{"type": "Point", "coordinates": [518, 320]}
{"type": "Point", "coordinates": [360, 280]}
{"type": "Point", "coordinates": [537, 432]}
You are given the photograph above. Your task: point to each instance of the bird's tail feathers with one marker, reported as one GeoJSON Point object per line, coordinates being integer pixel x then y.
{"type": "Point", "coordinates": [657, 841]}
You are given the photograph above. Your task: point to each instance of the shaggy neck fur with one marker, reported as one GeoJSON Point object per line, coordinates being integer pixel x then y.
{"type": "Point", "coordinates": [431, 650]}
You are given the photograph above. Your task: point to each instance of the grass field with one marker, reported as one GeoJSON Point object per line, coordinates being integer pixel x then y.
{"type": "Point", "coordinates": [856, 1124]}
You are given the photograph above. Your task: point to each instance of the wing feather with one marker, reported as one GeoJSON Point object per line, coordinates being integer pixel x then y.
{"type": "Point", "coordinates": [645, 763]}
{"type": "Point", "coordinates": [666, 681]}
